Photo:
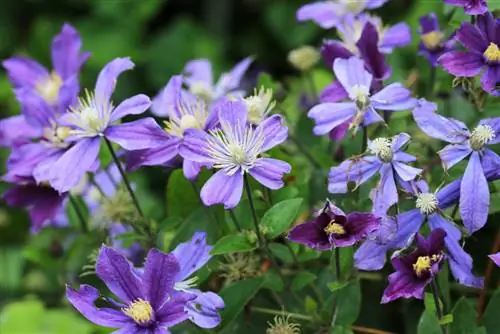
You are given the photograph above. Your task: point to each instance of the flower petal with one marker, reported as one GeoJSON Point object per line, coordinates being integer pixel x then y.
{"type": "Point", "coordinates": [328, 116]}
{"type": "Point", "coordinates": [231, 80]}
{"type": "Point", "coordinates": [312, 233]}
{"type": "Point", "coordinates": [24, 72]}
{"type": "Point", "coordinates": [322, 13]}
{"type": "Point", "coordinates": [137, 135]}
{"type": "Point", "coordinates": [368, 46]}
{"type": "Point", "coordinates": [119, 275]}
{"type": "Point", "coordinates": [402, 285]}
{"type": "Point", "coordinates": [471, 38]}
{"type": "Point", "coordinates": [158, 156]}
{"type": "Point", "coordinates": [437, 126]}
{"type": "Point", "coordinates": [393, 97]}
{"type": "Point", "coordinates": [269, 172]}
{"type": "Point", "coordinates": [199, 70]}
{"type": "Point", "coordinates": [405, 172]}
{"type": "Point", "coordinates": [385, 194]}
{"type": "Point", "coordinates": [370, 256]}
{"type": "Point", "coordinates": [490, 80]}
{"type": "Point", "coordinates": [106, 81]}
{"type": "Point", "coordinates": [192, 255]}
{"type": "Point", "coordinates": [463, 64]}
{"type": "Point", "coordinates": [223, 189]}
{"type": "Point", "coordinates": [398, 35]}
{"type": "Point", "coordinates": [66, 52]}
{"type": "Point", "coordinates": [453, 154]}
{"type": "Point", "coordinates": [474, 195]}
{"type": "Point", "coordinates": [203, 311]}
{"type": "Point", "coordinates": [195, 146]}
{"type": "Point", "coordinates": [332, 50]}
{"type": "Point", "coordinates": [399, 141]}
{"type": "Point", "coordinates": [357, 171]}
{"type": "Point", "coordinates": [334, 92]}
{"type": "Point", "coordinates": [233, 113]}
{"type": "Point", "coordinates": [15, 131]}
{"type": "Point", "coordinates": [35, 109]}
{"type": "Point", "coordinates": [83, 300]}
{"type": "Point", "coordinates": [134, 105]}
{"type": "Point", "coordinates": [160, 271]}
{"type": "Point", "coordinates": [495, 258]}
{"type": "Point", "coordinates": [166, 102]}
{"type": "Point", "coordinates": [191, 169]}
{"type": "Point", "coordinates": [173, 311]}
{"type": "Point", "coordinates": [351, 72]}
{"type": "Point", "coordinates": [274, 132]}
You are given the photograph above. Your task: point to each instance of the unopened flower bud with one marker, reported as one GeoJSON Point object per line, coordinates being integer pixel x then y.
{"type": "Point", "coordinates": [304, 57]}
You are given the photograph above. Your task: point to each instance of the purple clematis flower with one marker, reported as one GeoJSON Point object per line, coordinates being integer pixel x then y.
{"type": "Point", "coordinates": [361, 110]}
{"type": "Point", "coordinates": [471, 7]}
{"type": "Point", "coordinates": [495, 258]}
{"type": "Point", "coordinates": [429, 207]}
{"type": "Point", "coordinates": [388, 159]}
{"type": "Point", "coordinates": [35, 86]}
{"type": "Point", "coordinates": [333, 228]}
{"type": "Point", "coordinates": [192, 255]}
{"type": "Point", "coordinates": [198, 78]}
{"type": "Point", "coordinates": [329, 14]}
{"type": "Point", "coordinates": [432, 41]}
{"type": "Point", "coordinates": [235, 149]}
{"type": "Point", "coordinates": [93, 118]}
{"type": "Point", "coordinates": [474, 191]}
{"type": "Point", "coordinates": [352, 26]}
{"type": "Point", "coordinates": [416, 270]}
{"type": "Point", "coordinates": [483, 52]}
{"type": "Point", "coordinates": [148, 302]}
{"type": "Point", "coordinates": [184, 111]}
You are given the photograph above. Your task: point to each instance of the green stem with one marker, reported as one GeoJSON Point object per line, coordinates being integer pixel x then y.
{"type": "Point", "coordinates": [283, 313]}
{"type": "Point", "coordinates": [124, 177]}
{"type": "Point", "coordinates": [439, 311]}
{"type": "Point", "coordinates": [337, 263]}
{"type": "Point", "coordinates": [79, 214]}
{"type": "Point", "coordinates": [312, 86]}
{"type": "Point", "coordinates": [235, 220]}
{"type": "Point", "coordinates": [365, 139]}
{"type": "Point", "coordinates": [432, 82]}
{"type": "Point", "coordinates": [337, 275]}
{"type": "Point", "coordinates": [248, 190]}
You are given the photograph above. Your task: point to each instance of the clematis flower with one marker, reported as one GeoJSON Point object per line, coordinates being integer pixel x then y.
{"type": "Point", "coordinates": [416, 270]}
{"type": "Point", "coordinates": [433, 44]}
{"type": "Point", "coordinates": [352, 26]}
{"type": "Point", "coordinates": [428, 208]}
{"type": "Point", "coordinates": [329, 14]}
{"type": "Point", "coordinates": [95, 117]}
{"type": "Point", "coordinates": [474, 191]}
{"type": "Point", "coordinates": [192, 255]}
{"type": "Point", "coordinates": [471, 7]}
{"type": "Point", "coordinates": [235, 149]}
{"type": "Point", "coordinates": [34, 85]}
{"type": "Point", "coordinates": [184, 111]}
{"type": "Point", "coordinates": [495, 258]}
{"type": "Point", "coordinates": [482, 52]}
{"type": "Point", "coordinates": [333, 228]}
{"type": "Point", "coordinates": [385, 156]}
{"type": "Point", "coordinates": [363, 106]}
{"type": "Point", "coordinates": [199, 80]}
{"type": "Point", "coordinates": [147, 302]}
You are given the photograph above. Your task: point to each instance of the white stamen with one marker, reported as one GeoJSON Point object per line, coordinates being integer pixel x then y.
{"type": "Point", "coordinates": [381, 147]}
{"type": "Point", "coordinates": [480, 136]}
{"type": "Point", "coordinates": [259, 105]}
{"type": "Point", "coordinates": [192, 116]}
{"type": "Point", "coordinates": [361, 95]}
{"type": "Point", "coordinates": [427, 203]}
{"type": "Point", "coordinates": [235, 148]}
{"type": "Point", "coordinates": [201, 90]}
{"type": "Point", "coordinates": [187, 284]}
{"type": "Point", "coordinates": [90, 115]}
{"type": "Point", "coordinates": [49, 87]}
{"type": "Point", "coordinates": [55, 135]}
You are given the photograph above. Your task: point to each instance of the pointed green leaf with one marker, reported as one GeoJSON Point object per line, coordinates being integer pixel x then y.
{"type": "Point", "coordinates": [280, 217]}
{"type": "Point", "coordinates": [302, 280]}
{"type": "Point", "coordinates": [491, 318]}
{"type": "Point", "coordinates": [429, 324]}
{"type": "Point", "coordinates": [233, 244]}
{"type": "Point", "coordinates": [464, 318]}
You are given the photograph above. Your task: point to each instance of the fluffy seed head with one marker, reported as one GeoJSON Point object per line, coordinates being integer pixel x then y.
{"type": "Point", "coordinates": [480, 136]}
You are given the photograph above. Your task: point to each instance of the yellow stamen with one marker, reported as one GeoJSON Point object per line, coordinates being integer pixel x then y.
{"type": "Point", "coordinates": [492, 53]}
{"type": "Point", "coordinates": [432, 39]}
{"type": "Point", "coordinates": [49, 87]}
{"type": "Point", "coordinates": [140, 310]}
{"type": "Point", "coordinates": [423, 264]}
{"type": "Point", "coordinates": [335, 228]}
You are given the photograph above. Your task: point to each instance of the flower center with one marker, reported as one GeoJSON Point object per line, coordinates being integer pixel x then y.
{"type": "Point", "coordinates": [49, 87]}
{"type": "Point", "coordinates": [259, 105]}
{"type": "Point", "coordinates": [56, 135]}
{"type": "Point", "coordinates": [201, 89]}
{"type": "Point", "coordinates": [234, 148]}
{"type": "Point", "coordinates": [427, 203]}
{"type": "Point", "coordinates": [193, 116]}
{"type": "Point", "coordinates": [90, 115]}
{"type": "Point", "coordinates": [423, 264]}
{"type": "Point", "coordinates": [381, 147]}
{"type": "Point", "coordinates": [335, 228]}
{"type": "Point", "coordinates": [353, 6]}
{"type": "Point", "coordinates": [432, 40]}
{"type": "Point", "coordinates": [139, 310]}
{"type": "Point", "coordinates": [360, 95]}
{"type": "Point", "coordinates": [492, 53]}
{"type": "Point", "coordinates": [480, 136]}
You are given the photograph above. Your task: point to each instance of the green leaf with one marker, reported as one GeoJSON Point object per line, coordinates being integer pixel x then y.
{"type": "Point", "coordinates": [301, 280]}
{"type": "Point", "coordinates": [341, 330]}
{"type": "Point", "coordinates": [233, 244]}
{"type": "Point", "coordinates": [279, 218]}
{"type": "Point", "coordinates": [236, 296]}
{"type": "Point", "coordinates": [429, 303]}
{"type": "Point", "coordinates": [281, 251]}
{"type": "Point", "coordinates": [181, 197]}
{"type": "Point", "coordinates": [349, 303]}
{"type": "Point", "coordinates": [337, 285]}
{"type": "Point", "coordinates": [446, 319]}
{"type": "Point", "coordinates": [195, 222]}
{"type": "Point", "coordinates": [464, 316]}
{"type": "Point", "coordinates": [429, 324]}
{"type": "Point", "coordinates": [273, 282]}
{"type": "Point", "coordinates": [491, 320]}
{"type": "Point", "coordinates": [310, 306]}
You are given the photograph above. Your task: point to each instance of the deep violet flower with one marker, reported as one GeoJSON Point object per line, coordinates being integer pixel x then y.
{"type": "Point", "coordinates": [147, 302]}
{"type": "Point", "coordinates": [95, 117]}
{"type": "Point", "coordinates": [482, 52]}
{"type": "Point", "coordinates": [329, 14]}
{"type": "Point", "coordinates": [428, 207]}
{"type": "Point", "coordinates": [184, 111]}
{"type": "Point", "coordinates": [361, 110]}
{"type": "Point", "coordinates": [192, 255]}
{"type": "Point", "coordinates": [352, 26]}
{"type": "Point", "coordinates": [471, 7]}
{"type": "Point", "coordinates": [35, 86]}
{"type": "Point", "coordinates": [433, 43]}
{"type": "Point", "coordinates": [495, 258]}
{"type": "Point", "coordinates": [417, 269]}
{"type": "Point", "coordinates": [385, 156]}
{"type": "Point", "coordinates": [235, 149]}
{"type": "Point", "coordinates": [474, 191]}
{"type": "Point", "coordinates": [333, 228]}
{"type": "Point", "coordinates": [199, 80]}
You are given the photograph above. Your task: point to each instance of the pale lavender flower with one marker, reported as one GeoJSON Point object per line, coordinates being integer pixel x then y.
{"type": "Point", "coordinates": [471, 7]}
{"type": "Point", "coordinates": [495, 258]}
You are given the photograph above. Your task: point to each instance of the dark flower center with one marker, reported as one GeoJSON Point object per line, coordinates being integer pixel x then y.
{"type": "Point", "coordinates": [432, 40]}
{"type": "Point", "coordinates": [140, 311]}
{"type": "Point", "coordinates": [492, 53]}
{"type": "Point", "coordinates": [335, 228]}
{"type": "Point", "coordinates": [423, 264]}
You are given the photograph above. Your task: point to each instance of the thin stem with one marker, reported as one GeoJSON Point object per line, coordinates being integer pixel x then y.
{"type": "Point", "coordinates": [432, 82]}
{"type": "Point", "coordinates": [312, 86]}
{"type": "Point", "coordinates": [304, 151]}
{"type": "Point", "coordinates": [124, 177]}
{"type": "Point", "coordinates": [365, 139]}
{"type": "Point", "coordinates": [337, 276]}
{"type": "Point", "coordinates": [435, 295]}
{"type": "Point", "coordinates": [269, 196]}
{"type": "Point", "coordinates": [283, 313]}
{"type": "Point", "coordinates": [97, 186]}
{"type": "Point", "coordinates": [248, 189]}
{"type": "Point", "coordinates": [235, 220]}
{"type": "Point", "coordinates": [337, 263]}
{"type": "Point", "coordinates": [79, 214]}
